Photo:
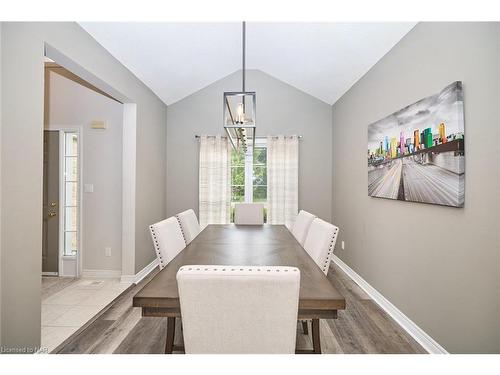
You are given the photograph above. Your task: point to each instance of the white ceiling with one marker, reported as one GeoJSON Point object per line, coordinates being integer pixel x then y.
{"type": "Point", "coordinates": [177, 59]}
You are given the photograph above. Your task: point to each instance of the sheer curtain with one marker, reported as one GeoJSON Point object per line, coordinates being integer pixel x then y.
{"type": "Point", "coordinates": [282, 179]}
{"type": "Point", "coordinates": [214, 180]}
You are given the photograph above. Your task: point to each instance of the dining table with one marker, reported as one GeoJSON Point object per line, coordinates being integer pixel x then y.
{"type": "Point", "coordinates": [243, 245]}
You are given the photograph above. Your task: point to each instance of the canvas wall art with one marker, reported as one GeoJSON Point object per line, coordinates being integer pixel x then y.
{"type": "Point", "coordinates": [417, 153]}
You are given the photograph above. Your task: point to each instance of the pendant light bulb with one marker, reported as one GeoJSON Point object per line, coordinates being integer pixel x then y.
{"type": "Point", "coordinates": [240, 114]}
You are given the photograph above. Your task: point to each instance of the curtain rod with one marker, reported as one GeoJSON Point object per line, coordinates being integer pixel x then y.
{"type": "Point", "coordinates": [274, 136]}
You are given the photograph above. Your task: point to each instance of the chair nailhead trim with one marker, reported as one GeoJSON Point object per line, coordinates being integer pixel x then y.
{"type": "Point", "coordinates": [182, 229]}
{"type": "Point", "coordinates": [157, 246]}
{"type": "Point", "coordinates": [240, 269]}
{"type": "Point", "coordinates": [330, 251]}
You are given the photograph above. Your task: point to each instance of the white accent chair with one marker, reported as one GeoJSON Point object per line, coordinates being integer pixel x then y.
{"type": "Point", "coordinates": [239, 309]}
{"type": "Point", "coordinates": [249, 213]}
{"type": "Point", "coordinates": [320, 242]}
{"type": "Point", "coordinates": [167, 239]}
{"type": "Point", "coordinates": [301, 226]}
{"type": "Point", "coordinates": [190, 226]}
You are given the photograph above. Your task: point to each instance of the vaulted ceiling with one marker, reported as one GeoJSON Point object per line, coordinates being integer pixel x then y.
{"type": "Point", "coordinates": [178, 59]}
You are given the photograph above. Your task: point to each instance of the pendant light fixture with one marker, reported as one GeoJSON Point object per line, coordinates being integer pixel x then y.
{"type": "Point", "coordinates": [239, 111]}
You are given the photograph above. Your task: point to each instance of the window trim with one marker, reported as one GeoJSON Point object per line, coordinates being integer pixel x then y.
{"type": "Point", "coordinates": [77, 183]}
{"type": "Point", "coordinates": [78, 129]}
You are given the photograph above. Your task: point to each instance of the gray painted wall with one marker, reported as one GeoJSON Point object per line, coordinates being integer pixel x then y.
{"type": "Point", "coordinates": [1, 23]}
{"type": "Point", "coordinates": [281, 109]}
{"type": "Point", "coordinates": [72, 105]}
{"type": "Point", "coordinates": [439, 265]}
{"type": "Point", "coordinates": [21, 156]}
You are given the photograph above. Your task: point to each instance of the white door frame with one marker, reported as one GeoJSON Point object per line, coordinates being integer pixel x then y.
{"type": "Point", "coordinates": [129, 146]}
{"type": "Point", "coordinates": [79, 130]}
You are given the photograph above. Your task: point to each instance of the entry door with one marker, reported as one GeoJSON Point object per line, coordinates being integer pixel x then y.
{"type": "Point", "coordinates": [50, 242]}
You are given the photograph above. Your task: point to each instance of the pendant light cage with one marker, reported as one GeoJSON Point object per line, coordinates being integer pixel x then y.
{"type": "Point", "coordinates": [239, 119]}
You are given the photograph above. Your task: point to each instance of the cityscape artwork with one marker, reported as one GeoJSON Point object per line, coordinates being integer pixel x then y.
{"type": "Point", "coordinates": [417, 153]}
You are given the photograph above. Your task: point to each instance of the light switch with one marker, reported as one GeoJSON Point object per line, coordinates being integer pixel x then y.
{"type": "Point", "coordinates": [88, 188]}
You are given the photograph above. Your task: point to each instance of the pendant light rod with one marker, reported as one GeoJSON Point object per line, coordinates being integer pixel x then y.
{"type": "Point", "coordinates": [240, 125]}
{"type": "Point", "coordinates": [243, 42]}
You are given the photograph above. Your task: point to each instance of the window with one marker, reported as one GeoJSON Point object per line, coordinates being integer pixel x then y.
{"type": "Point", "coordinates": [237, 176]}
{"type": "Point", "coordinates": [259, 176]}
{"type": "Point", "coordinates": [70, 191]}
{"type": "Point", "coordinates": [249, 175]}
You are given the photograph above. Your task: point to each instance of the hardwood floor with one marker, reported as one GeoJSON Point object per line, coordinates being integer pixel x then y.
{"type": "Point", "coordinates": [362, 328]}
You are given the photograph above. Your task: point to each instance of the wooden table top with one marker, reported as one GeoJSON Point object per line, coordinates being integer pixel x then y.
{"type": "Point", "coordinates": [244, 245]}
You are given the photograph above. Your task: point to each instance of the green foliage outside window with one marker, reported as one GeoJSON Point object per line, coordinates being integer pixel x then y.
{"type": "Point", "coordinates": [237, 176]}
{"type": "Point", "coordinates": [259, 177]}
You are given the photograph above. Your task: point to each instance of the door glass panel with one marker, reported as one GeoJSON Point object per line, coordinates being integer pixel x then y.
{"type": "Point", "coordinates": [71, 168]}
{"type": "Point", "coordinates": [70, 243]}
{"type": "Point", "coordinates": [70, 144]}
{"type": "Point", "coordinates": [71, 219]}
{"type": "Point", "coordinates": [71, 193]}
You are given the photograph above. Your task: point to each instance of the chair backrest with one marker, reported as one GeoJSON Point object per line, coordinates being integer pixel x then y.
{"type": "Point", "coordinates": [249, 213]}
{"type": "Point", "coordinates": [239, 309]}
{"type": "Point", "coordinates": [320, 242]}
{"type": "Point", "coordinates": [167, 239]}
{"type": "Point", "coordinates": [189, 225]}
{"type": "Point", "coordinates": [301, 226]}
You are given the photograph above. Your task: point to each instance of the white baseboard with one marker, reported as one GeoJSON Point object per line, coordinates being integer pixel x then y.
{"type": "Point", "coordinates": [134, 279]}
{"type": "Point", "coordinates": [50, 273]}
{"type": "Point", "coordinates": [427, 342]}
{"type": "Point", "coordinates": [101, 274]}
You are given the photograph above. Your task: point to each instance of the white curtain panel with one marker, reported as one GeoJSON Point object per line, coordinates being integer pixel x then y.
{"type": "Point", "coordinates": [282, 179]}
{"type": "Point", "coordinates": [215, 180]}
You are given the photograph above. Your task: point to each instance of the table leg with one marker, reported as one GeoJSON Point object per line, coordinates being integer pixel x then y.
{"type": "Point", "coordinates": [169, 345]}
{"type": "Point", "coordinates": [315, 336]}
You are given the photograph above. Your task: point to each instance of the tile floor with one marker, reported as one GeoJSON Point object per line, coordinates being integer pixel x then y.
{"type": "Point", "coordinates": [67, 309]}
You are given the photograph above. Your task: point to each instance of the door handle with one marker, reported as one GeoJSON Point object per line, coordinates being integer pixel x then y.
{"type": "Point", "coordinates": [52, 214]}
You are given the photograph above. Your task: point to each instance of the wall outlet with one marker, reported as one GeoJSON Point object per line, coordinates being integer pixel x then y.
{"type": "Point", "coordinates": [107, 251]}
{"type": "Point", "coordinates": [343, 245]}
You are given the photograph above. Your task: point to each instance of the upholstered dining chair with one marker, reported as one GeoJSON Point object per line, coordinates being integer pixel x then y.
{"type": "Point", "coordinates": [239, 309]}
{"type": "Point", "coordinates": [168, 240]}
{"type": "Point", "coordinates": [189, 225]}
{"type": "Point", "coordinates": [249, 213]}
{"type": "Point", "coordinates": [319, 244]}
{"type": "Point", "coordinates": [301, 226]}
